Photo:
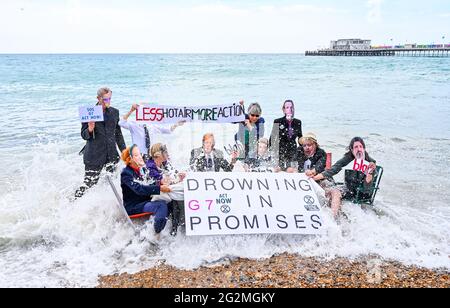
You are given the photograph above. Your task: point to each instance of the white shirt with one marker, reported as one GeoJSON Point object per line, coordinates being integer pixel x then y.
{"type": "Point", "coordinates": [138, 133]}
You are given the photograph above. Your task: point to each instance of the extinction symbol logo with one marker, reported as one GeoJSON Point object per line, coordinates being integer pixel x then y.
{"type": "Point", "coordinates": [225, 209]}
{"type": "Point", "coordinates": [309, 200]}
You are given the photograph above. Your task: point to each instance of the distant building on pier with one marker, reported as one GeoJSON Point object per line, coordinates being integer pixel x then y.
{"type": "Point", "coordinates": [350, 44]}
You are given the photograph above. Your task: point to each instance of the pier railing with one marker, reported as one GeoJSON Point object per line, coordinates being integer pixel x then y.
{"type": "Point", "coordinates": [377, 52]}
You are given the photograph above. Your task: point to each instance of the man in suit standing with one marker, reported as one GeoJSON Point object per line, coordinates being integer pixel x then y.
{"type": "Point", "coordinates": [102, 140]}
{"type": "Point", "coordinates": [285, 133]}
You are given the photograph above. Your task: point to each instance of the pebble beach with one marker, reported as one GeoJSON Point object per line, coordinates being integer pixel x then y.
{"type": "Point", "coordinates": [286, 271]}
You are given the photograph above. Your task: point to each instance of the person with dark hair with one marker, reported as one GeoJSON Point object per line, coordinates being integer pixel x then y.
{"type": "Point", "coordinates": [285, 133]}
{"type": "Point", "coordinates": [102, 140]}
{"type": "Point", "coordinates": [136, 194]}
{"type": "Point", "coordinates": [356, 150]}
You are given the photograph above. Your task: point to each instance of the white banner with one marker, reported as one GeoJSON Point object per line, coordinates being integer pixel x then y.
{"type": "Point", "coordinates": [91, 114]}
{"type": "Point", "coordinates": [251, 203]}
{"type": "Point", "coordinates": [361, 165]}
{"type": "Point", "coordinates": [206, 114]}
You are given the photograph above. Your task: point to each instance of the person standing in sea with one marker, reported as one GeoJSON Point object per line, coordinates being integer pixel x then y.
{"type": "Point", "coordinates": [102, 140]}
{"type": "Point", "coordinates": [285, 133]}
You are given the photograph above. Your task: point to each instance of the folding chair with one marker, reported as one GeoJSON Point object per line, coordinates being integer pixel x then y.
{"type": "Point", "coordinates": [367, 195]}
{"type": "Point", "coordinates": [129, 218]}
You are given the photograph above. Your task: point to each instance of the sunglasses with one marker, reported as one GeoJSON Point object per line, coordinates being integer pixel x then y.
{"type": "Point", "coordinates": [255, 115]}
{"type": "Point", "coordinates": [106, 99]}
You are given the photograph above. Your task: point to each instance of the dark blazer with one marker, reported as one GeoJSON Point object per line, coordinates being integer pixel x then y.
{"type": "Point", "coordinates": [318, 161]}
{"type": "Point", "coordinates": [199, 162]}
{"type": "Point", "coordinates": [280, 137]}
{"type": "Point", "coordinates": [135, 194]}
{"type": "Point", "coordinates": [100, 146]}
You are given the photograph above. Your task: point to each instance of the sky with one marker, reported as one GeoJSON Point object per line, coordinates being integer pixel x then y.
{"type": "Point", "coordinates": [227, 26]}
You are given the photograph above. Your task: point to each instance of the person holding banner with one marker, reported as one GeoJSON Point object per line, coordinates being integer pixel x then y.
{"type": "Point", "coordinates": [285, 133]}
{"type": "Point", "coordinates": [208, 159]}
{"type": "Point", "coordinates": [311, 158]}
{"type": "Point", "coordinates": [358, 155]}
{"type": "Point", "coordinates": [102, 140]}
{"type": "Point", "coordinates": [250, 131]}
{"type": "Point", "coordinates": [144, 135]}
{"type": "Point", "coordinates": [136, 194]}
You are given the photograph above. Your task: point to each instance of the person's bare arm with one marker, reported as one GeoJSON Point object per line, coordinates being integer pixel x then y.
{"type": "Point", "coordinates": [134, 107]}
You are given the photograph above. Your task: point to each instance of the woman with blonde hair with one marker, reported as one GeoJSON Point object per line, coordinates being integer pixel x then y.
{"type": "Point", "coordinates": [136, 194]}
{"type": "Point", "coordinates": [158, 157]}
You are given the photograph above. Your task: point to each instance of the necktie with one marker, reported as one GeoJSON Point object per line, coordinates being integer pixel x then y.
{"type": "Point", "coordinates": [291, 131]}
{"type": "Point", "coordinates": [209, 163]}
{"type": "Point", "coordinates": [147, 138]}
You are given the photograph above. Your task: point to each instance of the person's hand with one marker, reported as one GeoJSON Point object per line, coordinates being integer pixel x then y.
{"type": "Point", "coordinates": [134, 107]}
{"type": "Point", "coordinates": [291, 170]}
{"type": "Point", "coordinates": [277, 169]}
{"type": "Point", "coordinates": [165, 189]}
{"type": "Point", "coordinates": [369, 178]}
{"type": "Point", "coordinates": [318, 177]}
{"type": "Point", "coordinates": [372, 168]}
{"type": "Point", "coordinates": [91, 126]}
{"type": "Point", "coordinates": [241, 102]}
{"type": "Point", "coordinates": [165, 180]}
{"type": "Point", "coordinates": [311, 173]}
{"type": "Point", "coordinates": [234, 155]}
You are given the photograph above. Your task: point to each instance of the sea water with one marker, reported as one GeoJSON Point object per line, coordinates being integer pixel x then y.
{"type": "Point", "coordinates": [401, 106]}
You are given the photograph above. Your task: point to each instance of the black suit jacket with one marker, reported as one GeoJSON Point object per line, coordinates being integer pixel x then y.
{"type": "Point", "coordinates": [280, 137]}
{"type": "Point", "coordinates": [199, 162]}
{"type": "Point", "coordinates": [100, 146]}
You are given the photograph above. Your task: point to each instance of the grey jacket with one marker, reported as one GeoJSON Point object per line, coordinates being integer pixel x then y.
{"type": "Point", "coordinates": [101, 144]}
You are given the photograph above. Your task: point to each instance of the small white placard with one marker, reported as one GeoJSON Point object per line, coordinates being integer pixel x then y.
{"type": "Point", "coordinates": [91, 114]}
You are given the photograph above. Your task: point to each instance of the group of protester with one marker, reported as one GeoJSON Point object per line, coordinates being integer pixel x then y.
{"type": "Point", "coordinates": [148, 171]}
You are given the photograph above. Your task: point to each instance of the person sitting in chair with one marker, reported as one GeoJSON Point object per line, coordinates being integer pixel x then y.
{"type": "Point", "coordinates": [310, 157]}
{"type": "Point", "coordinates": [356, 150]}
{"type": "Point", "coordinates": [208, 159]}
{"type": "Point", "coordinates": [137, 194]}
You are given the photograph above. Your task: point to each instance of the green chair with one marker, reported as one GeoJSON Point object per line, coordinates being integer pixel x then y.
{"type": "Point", "coordinates": [366, 195]}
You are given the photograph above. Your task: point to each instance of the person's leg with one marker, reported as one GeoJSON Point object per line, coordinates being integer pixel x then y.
{"type": "Point", "coordinates": [178, 216]}
{"type": "Point", "coordinates": [336, 202]}
{"type": "Point", "coordinates": [91, 177]}
{"type": "Point", "coordinates": [111, 167]}
{"type": "Point", "coordinates": [159, 208]}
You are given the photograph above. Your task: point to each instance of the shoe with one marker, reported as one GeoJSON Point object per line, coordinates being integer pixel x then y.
{"type": "Point", "coordinates": [174, 232]}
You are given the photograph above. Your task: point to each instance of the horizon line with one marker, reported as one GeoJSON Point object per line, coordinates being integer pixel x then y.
{"type": "Point", "coordinates": [152, 53]}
